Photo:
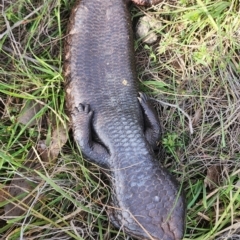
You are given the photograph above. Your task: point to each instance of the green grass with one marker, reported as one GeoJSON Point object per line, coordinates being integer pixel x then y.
{"type": "Point", "coordinates": [193, 65]}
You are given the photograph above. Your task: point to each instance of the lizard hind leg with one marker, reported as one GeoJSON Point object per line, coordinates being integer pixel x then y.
{"type": "Point", "coordinates": [82, 127]}
{"type": "Point", "coordinates": [152, 126]}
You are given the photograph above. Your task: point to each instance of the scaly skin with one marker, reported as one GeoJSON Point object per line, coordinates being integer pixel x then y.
{"type": "Point", "coordinates": [114, 127]}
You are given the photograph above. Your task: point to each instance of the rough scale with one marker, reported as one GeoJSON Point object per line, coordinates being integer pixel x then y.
{"type": "Point", "coordinates": [116, 127]}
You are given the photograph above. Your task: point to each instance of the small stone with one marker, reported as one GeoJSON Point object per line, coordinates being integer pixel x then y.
{"type": "Point", "coordinates": [144, 27]}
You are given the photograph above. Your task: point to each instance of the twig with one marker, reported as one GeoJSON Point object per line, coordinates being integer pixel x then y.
{"type": "Point", "coordinates": [175, 106]}
{"type": "Point", "coordinates": [9, 50]}
{"type": "Point", "coordinates": [19, 22]}
{"type": "Point", "coordinates": [25, 57]}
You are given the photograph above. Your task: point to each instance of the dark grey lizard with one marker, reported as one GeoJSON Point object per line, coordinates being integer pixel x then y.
{"type": "Point", "coordinates": [114, 126]}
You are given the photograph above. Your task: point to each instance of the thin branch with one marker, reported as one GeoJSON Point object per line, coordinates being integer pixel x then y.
{"type": "Point", "coordinates": [9, 50]}
{"type": "Point", "coordinates": [184, 113]}
{"type": "Point", "coordinates": [9, 29]}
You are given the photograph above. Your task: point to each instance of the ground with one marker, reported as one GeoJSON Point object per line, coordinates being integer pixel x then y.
{"type": "Point", "coordinates": [191, 70]}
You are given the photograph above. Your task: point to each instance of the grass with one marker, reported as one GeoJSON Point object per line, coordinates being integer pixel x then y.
{"type": "Point", "coordinates": [194, 65]}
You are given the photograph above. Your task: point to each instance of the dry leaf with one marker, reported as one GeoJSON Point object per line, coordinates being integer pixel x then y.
{"type": "Point", "coordinates": [213, 176]}
{"type": "Point", "coordinates": [30, 109]}
{"type": "Point", "coordinates": [58, 139]}
{"type": "Point", "coordinates": [19, 188]}
{"type": "Point", "coordinates": [197, 117]}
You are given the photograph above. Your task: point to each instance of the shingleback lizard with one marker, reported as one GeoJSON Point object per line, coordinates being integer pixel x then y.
{"type": "Point", "coordinates": [114, 125]}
